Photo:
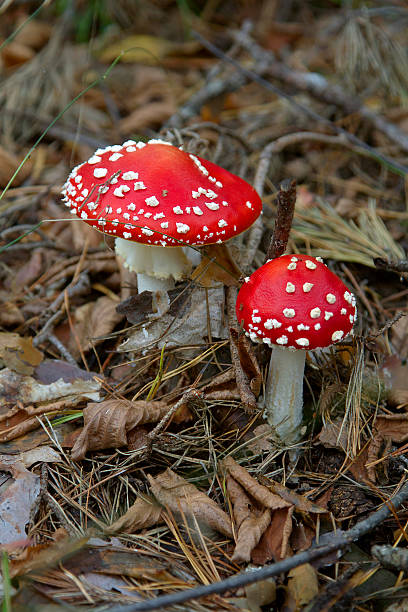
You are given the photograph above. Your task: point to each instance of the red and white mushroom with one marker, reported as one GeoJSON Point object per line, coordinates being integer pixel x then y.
{"type": "Point", "coordinates": [293, 303]}
{"type": "Point", "coordinates": [152, 196]}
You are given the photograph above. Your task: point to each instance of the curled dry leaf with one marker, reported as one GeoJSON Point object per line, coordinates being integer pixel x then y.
{"type": "Point", "coordinates": [250, 520]}
{"type": "Point", "coordinates": [299, 501]}
{"type": "Point", "coordinates": [106, 424]}
{"type": "Point", "coordinates": [260, 493]}
{"type": "Point", "coordinates": [144, 513]}
{"type": "Point", "coordinates": [184, 498]}
{"type": "Point", "coordinates": [222, 386]}
{"type": "Point", "coordinates": [334, 435]}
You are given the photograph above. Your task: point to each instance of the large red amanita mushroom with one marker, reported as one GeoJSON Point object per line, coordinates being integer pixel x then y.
{"type": "Point", "coordinates": [295, 304]}
{"type": "Point", "coordinates": [152, 196]}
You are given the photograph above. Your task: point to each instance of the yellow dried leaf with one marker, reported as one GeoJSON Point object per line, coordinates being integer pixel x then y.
{"type": "Point", "coordinates": [303, 584]}
{"type": "Point", "coordinates": [146, 49]}
{"type": "Point", "coordinates": [249, 534]}
{"type": "Point", "coordinates": [18, 353]}
{"type": "Point", "coordinates": [107, 423]}
{"type": "Point", "coordinates": [182, 497]}
{"type": "Point", "coordinates": [144, 513]}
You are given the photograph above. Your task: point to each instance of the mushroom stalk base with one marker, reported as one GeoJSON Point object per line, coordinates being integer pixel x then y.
{"type": "Point", "coordinates": [284, 393]}
{"type": "Point", "coordinates": [150, 283]}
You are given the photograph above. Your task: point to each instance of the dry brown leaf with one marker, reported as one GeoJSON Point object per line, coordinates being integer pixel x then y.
{"type": "Point", "coordinates": [35, 33]}
{"type": "Point", "coordinates": [18, 353]}
{"type": "Point", "coordinates": [388, 428]}
{"type": "Point", "coordinates": [217, 266]}
{"type": "Point", "coordinates": [107, 423]}
{"type": "Point", "coordinates": [28, 273]}
{"type": "Point", "coordinates": [249, 534]}
{"type": "Point", "coordinates": [261, 593]}
{"type": "Point", "coordinates": [144, 513]}
{"type": "Point", "coordinates": [92, 321]}
{"type": "Point", "coordinates": [259, 492]}
{"type": "Point", "coordinates": [184, 498]}
{"type": "Point", "coordinates": [303, 584]}
{"type": "Point", "coordinates": [334, 435]}
{"type": "Point", "coordinates": [274, 544]}
{"type": "Point", "coordinates": [249, 518]}
{"type": "Point", "coordinates": [9, 163]}
{"type": "Point", "coordinates": [299, 501]}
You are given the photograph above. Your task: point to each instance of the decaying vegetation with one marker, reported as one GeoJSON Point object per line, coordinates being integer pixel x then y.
{"type": "Point", "coordinates": [135, 463]}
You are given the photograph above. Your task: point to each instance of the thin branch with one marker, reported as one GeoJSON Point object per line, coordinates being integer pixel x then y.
{"type": "Point", "coordinates": [286, 200]}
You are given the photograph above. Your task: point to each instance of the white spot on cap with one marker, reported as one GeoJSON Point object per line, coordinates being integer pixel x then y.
{"type": "Point", "coordinates": [290, 288]}
{"type": "Point", "coordinates": [248, 204]}
{"type": "Point", "coordinates": [128, 143]}
{"type": "Point", "coordinates": [310, 264]}
{"type": "Point", "coordinates": [219, 184]}
{"type": "Point", "coordinates": [159, 215]}
{"type": "Point", "coordinates": [343, 311]}
{"type": "Point", "coordinates": [307, 287]}
{"type": "Point", "coordinates": [147, 231]}
{"type": "Point", "coordinates": [272, 323]}
{"type": "Point", "coordinates": [331, 298]}
{"type": "Point", "coordinates": [292, 266]}
{"type": "Point", "coordinates": [222, 223]}
{"type": "Point", "coordinates": [348, 296]}
{"type": "Point", "coordinates": [205, 228]}
{"type": "Point", "coordinates": [337, 335]}
{"type": "Point", "coordinates": [317, 326]}
{"type": "Point", "coordinates": [197, 210]}
{"type": "Point", "coordinates": [152, 201]}
{"type": "Point", "coordinates": [319, 259]}
{"type": "Point", "coordinates": [246, 280]}
{"type": "Point", "coordinates": [352, 319]}
{"type": "Point", "coordinates": [302, 342]}
{"type": "Point", "coordinates": [212, 205]}
{"type": "Point", "coordinates": [130, 175]}
{"type": "Point", "coordinates": [95, 159]}
{"type": "Point", "coordinates": [119, 191]}
{"type": "Point", "coordinates": [302, 327]}
{"type": "Point", "coordinates": [290, 329]}
{"type": "Point", "coordinates": [115, 156]}
{"type": "Point", "coordinates": [282, 340]}
{"type": "Point", "coordinates": [164, 225]}
{"type": "Point", "coordinates": [127, 235]}
{"type": "Point", "coordinates": [315, 313]}
{"type": "Point", "coordinates": [139, 185]}
{"type": "Point", "coordinates": [182, 228]}
{"type": "Point", "coordinates": [100, 172]}
{"type": "Point", "coordinates": [289, 313]}
{"type": "Point", "coordinates": [84, 215]}
{"type": "Point", "coordinates": [177, 210]}
{"type": "Point", "coordinates": [327, 315]}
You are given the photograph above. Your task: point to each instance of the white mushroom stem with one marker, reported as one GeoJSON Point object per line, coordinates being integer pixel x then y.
{"type": "Point", "coordinates": [284, 393]}
{"type": "Point", "coordinates": [157, 267]}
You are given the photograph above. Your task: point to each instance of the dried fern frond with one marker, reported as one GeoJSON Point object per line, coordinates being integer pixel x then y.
{"type": "Point", "coordinates": [326, 233]}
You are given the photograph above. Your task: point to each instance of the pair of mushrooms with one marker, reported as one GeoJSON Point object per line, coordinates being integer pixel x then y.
{"type": "Point", "coordinates": [152, 196]}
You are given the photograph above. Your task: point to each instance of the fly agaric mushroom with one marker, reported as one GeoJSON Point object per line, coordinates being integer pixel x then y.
{"type": "Point", "coordinates": [152, 196]}
{"type": "Point", "coordinates": [295, 304]}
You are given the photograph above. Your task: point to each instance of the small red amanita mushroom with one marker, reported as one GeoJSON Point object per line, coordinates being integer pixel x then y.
{"type": "Point", "coordinates": [295, 304]}
{"type": "Point", "coordinates": [153, 196]}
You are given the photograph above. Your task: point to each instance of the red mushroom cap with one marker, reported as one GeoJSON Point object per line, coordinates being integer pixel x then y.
{"type": "Point", "coordinates": [154, 193]}
{"type": "Point", "coordinates": [296, 302]}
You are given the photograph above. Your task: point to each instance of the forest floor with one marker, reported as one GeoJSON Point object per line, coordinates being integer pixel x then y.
{"type": "Point", "coordinates": [132, 468]}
